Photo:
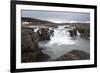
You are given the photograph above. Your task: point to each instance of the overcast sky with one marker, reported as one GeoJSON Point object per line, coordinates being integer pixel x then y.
{"type": "Point", "coordinates": [57, 17]}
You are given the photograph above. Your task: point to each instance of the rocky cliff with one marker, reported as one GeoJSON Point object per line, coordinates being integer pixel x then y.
{"type": "Point", "coordinates": [30, 50]}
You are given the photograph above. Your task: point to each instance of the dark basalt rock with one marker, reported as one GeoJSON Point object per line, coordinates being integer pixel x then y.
{"type": "Point", "coordinates": [66, 27]}
{"type": "Point", "coordinates": [74, 55]}
{"type": "Point", "coordinates": [85, 33]}
{"type": "Point", "coordinates": [73, 33]}
{"type": "Point", "coordinates": [56, 27]}
{"type": "Point", "coordinates": [36, 56]}
{"type": "Point", "coordinates": [43, 34]}
{"type": "Point", "coordinates": [29, 39]}
{"type": "Point", "coordinates": [30, 50]}
{"type": "Point", "coordinates": [51, 32]}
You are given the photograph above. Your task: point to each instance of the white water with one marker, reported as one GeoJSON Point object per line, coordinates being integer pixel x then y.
{"type": "Point", "coordinates": [62, 43]}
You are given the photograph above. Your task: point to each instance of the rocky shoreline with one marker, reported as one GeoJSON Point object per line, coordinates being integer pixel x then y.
{"type": "Point", "coordinates": [30, 50]}
{"type": "Point", "coordinates": [84, 31]}
{"type": "Point", "coordinates": [74, 55]}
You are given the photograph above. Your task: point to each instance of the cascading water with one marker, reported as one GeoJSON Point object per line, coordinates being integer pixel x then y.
{"type": "Point", "coordinates": [62, 43]}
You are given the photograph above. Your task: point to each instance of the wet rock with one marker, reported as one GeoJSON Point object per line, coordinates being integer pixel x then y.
{"type": "Point", "coordinates": [51, 32]}
{"type": "Point", "coordinates": [66, 27]}
{"type": "Point", "coordinates": [36, 56]}
{"type": "Point", "coordinates": [43, 34]}
{"type": "Point", "coordinates": [84, 33]}
{"type": "Point", "coordinates": [30, 50]}
{"type": "Point", "coordinates": [56, 27]}
{"type": "Point", "coordinates": [29, 40]}
{"type": "Point", "coordinates": [73, 33]}
{"type": "Point", "coordinates": [74, 55]}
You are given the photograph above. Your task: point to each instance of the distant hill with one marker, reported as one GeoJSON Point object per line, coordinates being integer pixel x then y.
{"type": "Point", "coordinates": [39, 22]}
{"type": "Point", "coordinates": [27, 19]}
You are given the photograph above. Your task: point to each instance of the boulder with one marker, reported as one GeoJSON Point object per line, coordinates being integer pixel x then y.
{"type": "Point", "coordinates": [30, 50]}
{"type": "Point", "coordinates": [29, 40]}
{"type": "Point", "coordinates": [37, 56]}
{"type": "Point", "coordinates": [67, 27]}
{"type": "Point", "coordinates": [84, 33]}
{"type": "Point", "coordinates": [51, 32]}
{"type": "Point", "coordinates": [43, 34]}
{"type": "Point", "coordinates": [73, 32]}
{"type": "Point", "coordinates": [56, 27]}
{"type": "Point", "coordinates": [74, 55]}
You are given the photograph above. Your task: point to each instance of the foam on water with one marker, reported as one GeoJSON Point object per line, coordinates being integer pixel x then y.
{"type": "Point", "coordinates": [62, 43]}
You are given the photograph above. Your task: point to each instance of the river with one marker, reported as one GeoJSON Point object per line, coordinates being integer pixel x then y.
{"type": "Point", "coordinates": [61, 42]}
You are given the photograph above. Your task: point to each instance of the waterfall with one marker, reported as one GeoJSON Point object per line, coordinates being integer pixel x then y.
{"type": "Point", "coordinates": [62, 43]}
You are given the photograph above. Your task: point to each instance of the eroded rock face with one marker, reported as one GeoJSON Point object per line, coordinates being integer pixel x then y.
{"type": "Point", "coordinates": [43, 34]}
{"type": "Point", "coordinates": [85, 33]}
{"type": "Point", "coordinates": [73, 32]}
{"type": "Point", "coordinates": [51, 32]}
{"type": "Point", "coordinates": [74, 55]}
{"type": "Point", "coordinates": [29, 40]}
{"type": "Point", "coordinates": [36, 56]}
{"type": "Point", "coordinates": [30, 50]}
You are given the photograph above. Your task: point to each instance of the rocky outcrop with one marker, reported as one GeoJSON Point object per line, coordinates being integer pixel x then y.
{"type": "Point", "coordinates": [51, 32]}
{"type": "Point", "coordinates": [43, 34]}
{"type": "Point", "coordinates": [30, 50]}
{"type": "Point", "coordinates": [74, 55]}
{"type": "Point", "coordinates": [84, 33]}
{"type": "Point", "coordinates": [56, 27]}
{"type": "Point", "coordinates": [73, 33]}
{"type": "Point", "coordinates": [83, 30]}
{"type": "Point", "coordinates": [66, 27]}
